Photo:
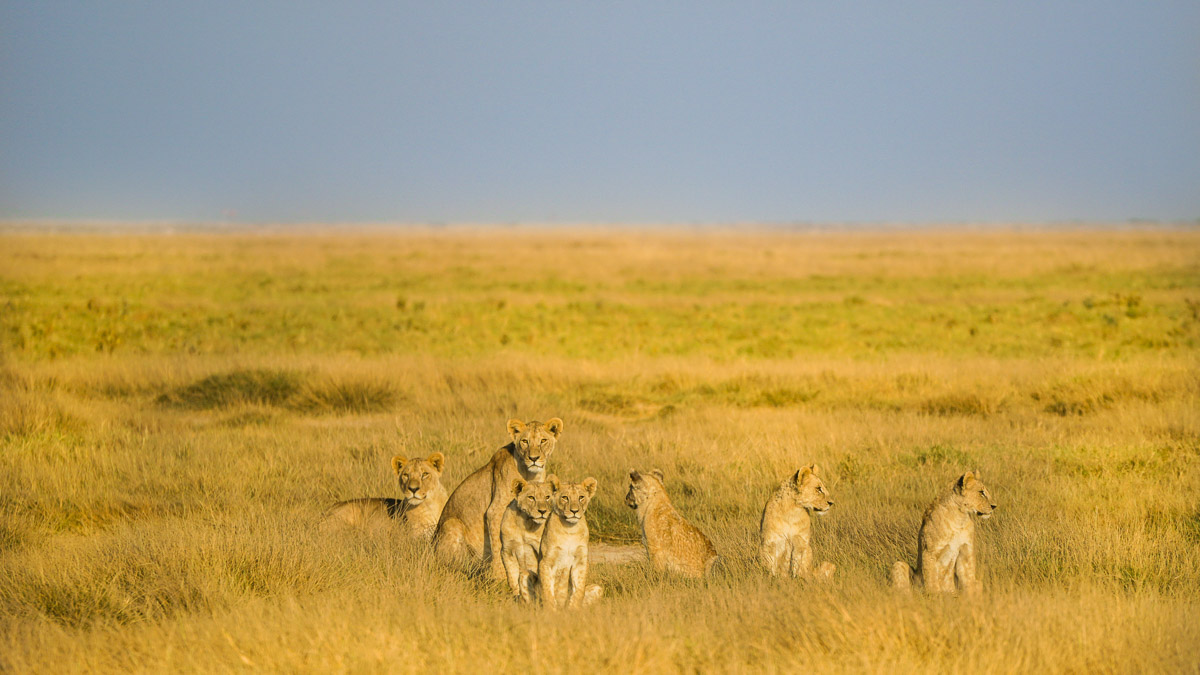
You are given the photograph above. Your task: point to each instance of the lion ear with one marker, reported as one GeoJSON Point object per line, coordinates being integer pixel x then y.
{"type": "Point", "coordinates": [515, 426]}
{"type": "Point", "coordinates": [589, 484]}
{"type": "Point", "coordinates": [816, 470]}
{"type": "Point", "coordinates": [398, 463]}
{"type": "Point", "coordinates": [553, 481]}
{"type": "Point", "coordinates": [803, 473]}
{"type": "Point", "coordinates": [438, 460]}
{"type": "Point", "coordinates": [657, 473]}
{"type": "Point", "coordinates": [962, 481]}
{"type": "Point", "coordinates": [554, 426]}
{"type": "Point", "coordinates": [518, 484]}
{"type": "Point", "coordinates": [634, 475]}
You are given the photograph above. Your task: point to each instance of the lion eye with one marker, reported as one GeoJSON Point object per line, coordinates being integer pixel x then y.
{"type": "Point", "coordinates": [425, 475]}
{"type": "Point", "coordinates": [542, 442]}
{"type": "Point", "coordinates": [983, 493]}
{"type": "Point", "coordinates": [524, 442]}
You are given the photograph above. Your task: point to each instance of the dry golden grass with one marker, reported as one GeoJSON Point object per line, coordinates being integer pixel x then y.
{"type": "Point", "coordinates": [176, 411]}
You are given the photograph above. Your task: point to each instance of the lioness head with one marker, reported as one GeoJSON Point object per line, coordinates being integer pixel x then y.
{"type": "Point", "coordinates": [534, 442]}
{"type": "Point", "coordinates": [974, 495]}
{"type": "Point", "coordinates": [643, 487]}
{"type": "Point", "coordinates": [571, 500]}
{"type": "Point", "coordinates": [811, 492]}
{"type": "Point", "coordinates": [535, 498]}
{"type": "Point", "coordinates": [418, 476]}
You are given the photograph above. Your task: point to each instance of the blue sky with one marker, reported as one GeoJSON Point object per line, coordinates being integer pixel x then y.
{"type": "Point", "coordinates": [600, 112]}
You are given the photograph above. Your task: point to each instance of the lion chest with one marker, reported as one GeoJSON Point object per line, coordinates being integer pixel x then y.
{"type": "Point", "coordinates": [520, 534]}
{"type": "Point", "coordinates": [954, 547]}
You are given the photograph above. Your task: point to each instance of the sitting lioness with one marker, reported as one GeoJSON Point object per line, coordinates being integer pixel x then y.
{"type": "Point", "coordinates": [413, 516]}
{"type": "Point", "coordinates": [470, 523]}
{"type": "Point", "coordinates": [671, 542]}
{"type": "Point", "coordinates": [786, 526]}
{"type": "Point", "coordinates": [521, 533]}
{"type": "Point", "coordinates": [562, 571]}
{"type": "Point", "coordinates": [946, 542]}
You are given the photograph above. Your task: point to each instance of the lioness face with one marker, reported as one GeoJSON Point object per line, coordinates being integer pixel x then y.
{"type": "Point", "coordinates": [418, 476]}
{"type": "Point", "coordinates": [535, 441]}
{"type": "Point", "coordinates": [572, 499]}
{"type": "Point", "coordinates": [535, 498]}
{"type": "Point", "coordinates": [643, 487]}
{"type": "Point", "coordinates": [975, 497]}
{"type": "Point", "coordinates": [811, 492]}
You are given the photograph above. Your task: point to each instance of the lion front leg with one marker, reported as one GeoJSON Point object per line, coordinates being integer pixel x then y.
{"type": "Point", "coordinates": [965, 572]}
{"type": "Point", "coordinates": [578, 581]}
{"type": "Point", "coordinates": [800, 563]}
{"type": "Point", "coordinates": [528, 580]}
{"type": "Point", "coordinates": [491, 540]}
{"type": "Point", "coordinates": [512, 571]}
{"type": "Point", "coordinates": [772, 553]}
{"type": "Point", "coordinates": [937, 570]}
{"type": "Point", "coordinates": [529, 586]}
{"type": "Point", "coordinates": [547, 583]}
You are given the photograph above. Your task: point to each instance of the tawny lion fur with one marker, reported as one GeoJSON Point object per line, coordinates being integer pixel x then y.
{"type": "Point", "coordinates": [470, 524]}
{"type": "Point", "coordinates": [672, 543]}
{"type": "Point", "coordinates": [414, 516]}
{"type": "Point", "coordinates": [946, 553]}
{"type": "Point", "coordinates": [521, 530]}
{"type": "Point", "coordinates": [786, 526]}
{"type": "Point", "coordinates": [562, 571]}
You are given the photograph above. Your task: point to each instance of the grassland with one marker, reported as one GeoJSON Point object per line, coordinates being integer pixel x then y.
{"type": "Point", "coordinates": [176, 410]}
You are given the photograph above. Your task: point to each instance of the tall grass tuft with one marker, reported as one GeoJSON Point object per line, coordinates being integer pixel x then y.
{"type": "Point", "coordinates": [257, 386]}
{"type": "Point", "coordinates": [345, 396]}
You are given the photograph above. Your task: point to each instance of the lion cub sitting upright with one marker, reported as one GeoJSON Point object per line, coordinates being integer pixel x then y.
{"type": "Point", "coordinates": [671, 542]}
{"type": "Point", "coordinates": [786, 526]}
{"type": "Point", "coordinates": [521, 533]}
{"type": "Point", "coordinates": [946, 542]}
{"type": "Point", "coordinates": [415, 515]}
{"type": "Point", "coordinates": [562, 571]}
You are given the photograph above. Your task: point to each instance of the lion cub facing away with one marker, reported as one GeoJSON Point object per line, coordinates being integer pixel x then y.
{"type": "Point", "coordinates": [672, 543]}
{"type": "Point", "coordinates": [946, 542]}
{"type": "Point", "coordinates": [786, 526]}
{"type": "Point", "coordinates": [415, 515]}
{"type": "Point", "coordinates": [521, 530]}
{"type": "Point", "coordinates": [562, 570]}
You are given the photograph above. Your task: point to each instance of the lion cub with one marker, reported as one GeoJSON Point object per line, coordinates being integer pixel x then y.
{"type": "Point", "coordinates": [786, 526]}
{"type": "Point", "coordinates": [562, 571]}
{"type": "Point", "coordinates": [946, 542]}
{"type": "Point", "coordinates": [521, 533]}
{"type": "Point", "coordinates": [671, 542]}
{"type": "Point", "coordinates": [415, 515]}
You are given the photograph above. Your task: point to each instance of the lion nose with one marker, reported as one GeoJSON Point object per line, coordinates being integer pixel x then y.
{"type": "Point", "coordinates": [830, 503]}
{"type": "Point", "coordinates": [414, 487]}
{"type": "Point", "coordinates": [994, 507]}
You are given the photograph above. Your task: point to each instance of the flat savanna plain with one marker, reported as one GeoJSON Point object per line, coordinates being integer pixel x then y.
{"type": "Point", "coordinates": [177, 410]}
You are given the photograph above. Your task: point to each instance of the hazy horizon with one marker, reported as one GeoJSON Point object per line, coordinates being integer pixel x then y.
{"type": "Point", "coordinates": [778, 114]}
